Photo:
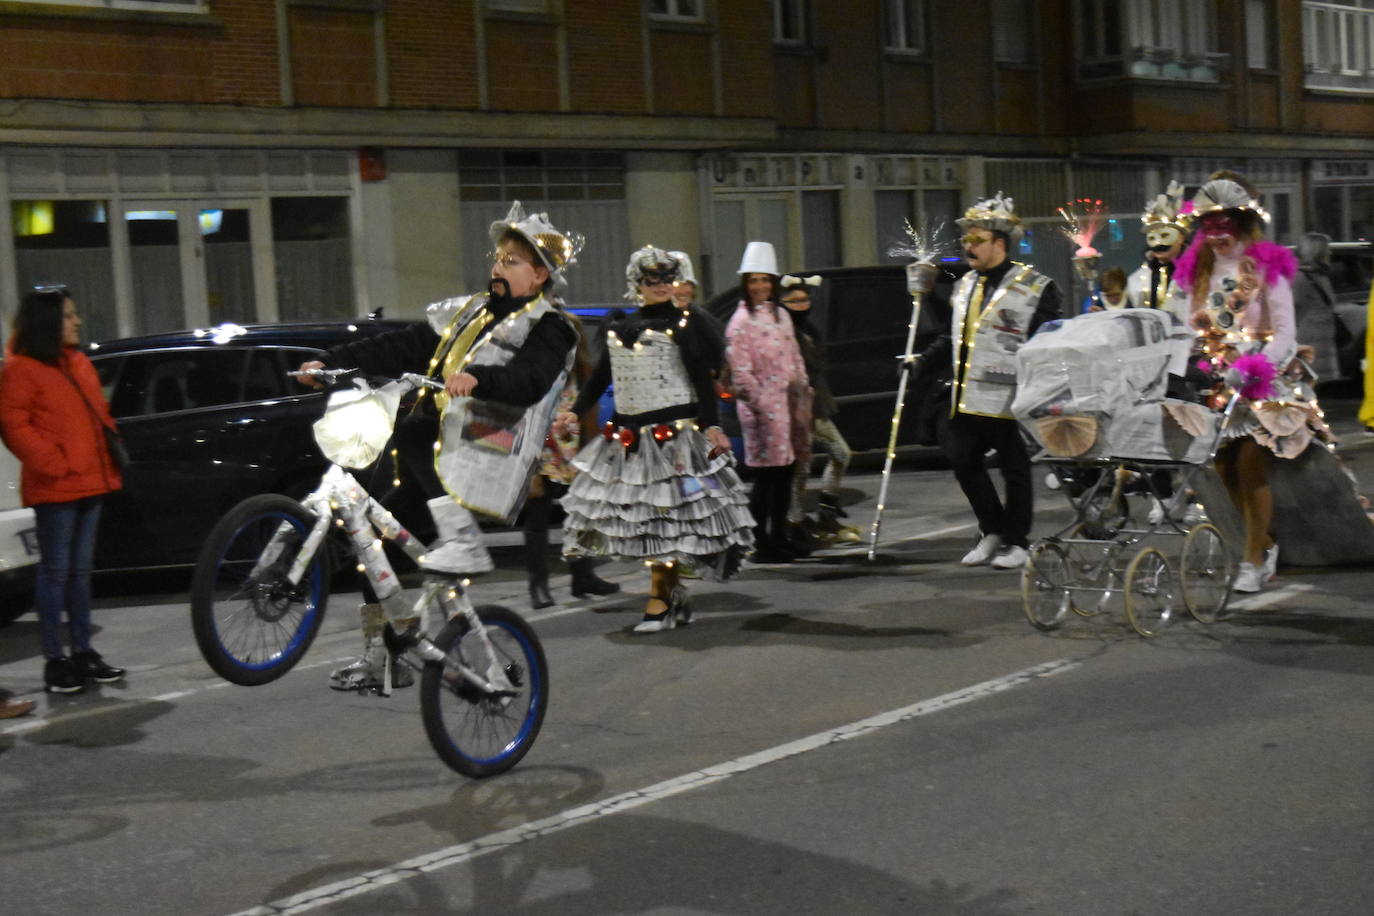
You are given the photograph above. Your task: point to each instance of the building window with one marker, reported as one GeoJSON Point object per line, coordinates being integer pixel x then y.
{"type": "Point", "coordinates": [159, 6]}
{"type": "Point", "coordinates": [68, 242]}
{"type": "Point", "coordinates": [1148, 39]}
{"type": "Point", "coordinates": [677, 10]}
{"type": "Point", "coordinates": [1338, 44]}
{"type": "Point", "coordinates": [905, 25]}
{"type": "Point", "coordinates": [1013, 32]}
{"type": "Point", "coordinates": [517, 6]}
{"type": "Point", "coordinates": [789, 21]}
{"type": "Point", "coordinates": [505, 175]}
{"type": "Point", "coordinates": [1259, 35]}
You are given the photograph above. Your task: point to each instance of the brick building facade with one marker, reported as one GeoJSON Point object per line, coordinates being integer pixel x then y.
{"type": "Point", "coordinates": [189, 161]}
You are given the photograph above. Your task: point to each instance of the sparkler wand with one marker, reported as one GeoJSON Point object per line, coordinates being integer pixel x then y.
{"type": "Point", "coordinates": [924, 249]}
{"type": "Point", "coordinates": [1082, 220]}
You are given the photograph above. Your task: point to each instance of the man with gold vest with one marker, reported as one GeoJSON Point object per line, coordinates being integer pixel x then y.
{"type": "Point", "coordinates": [504, 355]}
{"type": "Point", "coordinates": [1166, 222]}
{"type": "Point", "coordinates": [996, 307]}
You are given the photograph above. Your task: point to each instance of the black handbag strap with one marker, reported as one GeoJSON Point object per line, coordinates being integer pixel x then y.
{"type": "Point", "coordinates": [100, 421]}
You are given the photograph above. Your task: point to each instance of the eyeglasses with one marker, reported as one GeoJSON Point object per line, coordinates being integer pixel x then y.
{"type": "Point", "coordinates": [52, 288]}
{"type": "Point", "coordinates": [973, 241]}
{"type": "Point", "coordinates": [508, 261]}
{"type": "Point", "coordinates": [795, 300]}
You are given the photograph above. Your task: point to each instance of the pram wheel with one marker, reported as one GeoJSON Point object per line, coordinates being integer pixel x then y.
{"type": "Point", "coordinates": [1044, 585]}
{"type": "Point", "coordinates": [1207, 570]}
{"type": "Point", "coordinates": [1150, 592]}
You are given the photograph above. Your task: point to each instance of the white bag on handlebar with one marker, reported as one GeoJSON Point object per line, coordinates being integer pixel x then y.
{"type": "Point", "coordinates": [357, 423]}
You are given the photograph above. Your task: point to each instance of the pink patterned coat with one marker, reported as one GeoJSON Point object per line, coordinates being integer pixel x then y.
{"type": "Point", "coordinates": [768, 380]}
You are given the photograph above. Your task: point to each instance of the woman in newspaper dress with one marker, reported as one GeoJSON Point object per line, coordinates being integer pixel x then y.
{"type": "Point", "coordinates": [659, 484]}
{"type": "Point", "coordinates": [1241, 303]}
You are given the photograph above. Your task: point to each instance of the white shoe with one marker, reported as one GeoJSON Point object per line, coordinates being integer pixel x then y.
{"type": "Point", "coordinates": [1195, 514]}
{"type": "Point", "coordinates": [982, 551]}
{"type": "Point", "coordinates": [1271, 562]}
{"type": "Point", "coordinates": [1250, 579]}
{"type": "Point", "coordinates": [1156, 516]}
{"type": "Point", "coordinates": [1010, 557]}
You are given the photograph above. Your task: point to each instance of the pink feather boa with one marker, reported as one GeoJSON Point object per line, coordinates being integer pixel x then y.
{"type": "Point", "coordinates": [1257, 375]}
{"type": "Point", "coordinates": [1271, 259]}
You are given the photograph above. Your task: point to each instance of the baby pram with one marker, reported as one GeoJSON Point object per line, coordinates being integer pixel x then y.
{"type": "Point", "coordinates": [1093, 392]}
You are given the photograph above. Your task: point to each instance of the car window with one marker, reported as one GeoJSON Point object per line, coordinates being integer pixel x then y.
{"type": "Point", "coordinates": [163, 382]}
{"type": "Point", "coordinates": [1351, 274]}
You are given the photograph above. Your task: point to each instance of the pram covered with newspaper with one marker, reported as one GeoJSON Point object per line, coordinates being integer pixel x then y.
{"type": "Point", "coordinates": [1094, 392]}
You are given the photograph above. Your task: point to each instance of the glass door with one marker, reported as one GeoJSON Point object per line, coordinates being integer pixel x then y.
{"type": "Point", "coordinates": [198, 263]}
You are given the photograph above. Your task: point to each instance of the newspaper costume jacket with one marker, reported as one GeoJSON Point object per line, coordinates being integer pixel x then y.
{"type": "Point", "coordinates": [986, 382]}
{"type": "Point", "coordinates": [489, 450]}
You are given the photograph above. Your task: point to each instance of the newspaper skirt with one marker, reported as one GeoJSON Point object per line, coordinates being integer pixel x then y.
{"type": "Point", "coordinates": [1285, 422]}
{"type": "Point", "coordinates": [658, 498]}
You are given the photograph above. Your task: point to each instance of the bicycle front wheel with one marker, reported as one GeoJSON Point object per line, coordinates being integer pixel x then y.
{"type": "Point", "coordinates": [251, 624]}
{"type": "Point", "coordinates": [476, 732]}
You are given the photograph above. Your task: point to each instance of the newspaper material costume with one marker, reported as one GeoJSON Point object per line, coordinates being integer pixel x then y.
{"type": "Point", "coordinates": [651, 487]}
{"type": "Point", "coordinates": [1166, 222]}
{"type": "Point", "coordinates": [1243, 308]}
{"type": "Point", "coordinates": [476, 452]}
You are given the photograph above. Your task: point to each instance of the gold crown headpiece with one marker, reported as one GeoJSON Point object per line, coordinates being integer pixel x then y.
{"type": "Point", "coordinates": [1169, 209]}
{"type": "Point", "coordinates": [556, 248]}
{"type": "Point", "coordinates": [996, 213]}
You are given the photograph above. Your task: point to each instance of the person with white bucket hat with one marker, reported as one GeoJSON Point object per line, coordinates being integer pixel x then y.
{"type": "Point", "coordinates": [773, 398]}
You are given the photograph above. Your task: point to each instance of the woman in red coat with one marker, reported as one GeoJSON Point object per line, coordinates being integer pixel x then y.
{"type": "Point", "coordinates": [51, 413]}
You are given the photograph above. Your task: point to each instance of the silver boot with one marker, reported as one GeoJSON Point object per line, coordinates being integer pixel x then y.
{"type": "Point", "coordinates": [458, 549]}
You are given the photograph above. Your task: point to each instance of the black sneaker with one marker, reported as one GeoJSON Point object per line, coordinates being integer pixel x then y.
{"type": "Point", "coordinates": [89, 664]}
{"type": "Point", "coordinates": [60, 675]}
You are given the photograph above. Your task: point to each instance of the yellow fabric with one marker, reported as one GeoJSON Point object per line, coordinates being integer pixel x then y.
{"type": "Point", "coordinates": [1367, 407]}
{"type": "Point", "coordinates": [457, 355]}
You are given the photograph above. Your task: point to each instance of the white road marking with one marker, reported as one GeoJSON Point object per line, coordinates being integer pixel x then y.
{"type": "Point", "coordinates": [1264, 599]}
{"type": "Point", "coordinates": [574, 817]}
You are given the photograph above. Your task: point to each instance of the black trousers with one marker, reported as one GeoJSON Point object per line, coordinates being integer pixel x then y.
{"type": "Point", "coordinates": [768, 503]}
{"type": "Point", "coordinates": [969, 440]}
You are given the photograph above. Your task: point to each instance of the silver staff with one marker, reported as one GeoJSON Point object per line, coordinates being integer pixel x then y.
{"type": "Point", "coordinates": [920, 279]}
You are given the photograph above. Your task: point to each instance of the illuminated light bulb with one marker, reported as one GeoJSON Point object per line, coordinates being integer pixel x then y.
{"type": "Point", "coordinates": [465, 583]}
{"type": "Point", "coordinates": [362, 568]}
{"type": "Point", "coordinates": [453, 594]}
{"type": "Point", "coordinates": [339, 522]}
{"type": "Point", "coordinates": [376, 545]}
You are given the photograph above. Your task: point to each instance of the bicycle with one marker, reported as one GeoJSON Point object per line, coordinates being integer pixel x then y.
{"type": "Point", "coordinates": [261, 585]}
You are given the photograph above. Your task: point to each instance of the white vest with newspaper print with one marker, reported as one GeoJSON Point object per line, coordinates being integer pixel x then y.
{"type": "Point", "coordinates": [986, 383]}
{"type": "Point", "coordinates": [487, 450]}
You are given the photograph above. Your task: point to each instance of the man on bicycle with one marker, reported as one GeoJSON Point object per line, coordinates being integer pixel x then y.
{"type": "Point", "coordinates": [504, 356]}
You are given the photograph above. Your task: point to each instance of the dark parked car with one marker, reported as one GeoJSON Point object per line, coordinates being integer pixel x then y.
{"type": "Point", "coordinates": [1352, 272]}
{"type": "Point", "coordinates": [863, 314]}
{"type": "Point", "coordinates": [209, 417]}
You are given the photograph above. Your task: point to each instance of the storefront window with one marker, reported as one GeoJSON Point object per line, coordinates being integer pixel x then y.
{"type": "Point", "coordinates": [68, 242]}
{"type": "Point", "coordinates": [313, 252]}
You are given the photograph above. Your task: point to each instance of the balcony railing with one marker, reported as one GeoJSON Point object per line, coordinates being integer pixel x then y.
{"type": "Point", "coordinates": [1338, 45]}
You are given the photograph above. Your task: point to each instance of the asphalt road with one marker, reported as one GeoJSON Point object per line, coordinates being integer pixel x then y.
{"type": "Point", "coordinates": [836, 736]}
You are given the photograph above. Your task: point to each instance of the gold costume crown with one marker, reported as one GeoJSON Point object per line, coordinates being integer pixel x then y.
{"type": "Point", "coordinates": [994, 213]}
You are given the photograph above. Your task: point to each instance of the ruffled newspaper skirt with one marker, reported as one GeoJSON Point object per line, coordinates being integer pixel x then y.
{"type": "Point", "coordinates": [659, 501]}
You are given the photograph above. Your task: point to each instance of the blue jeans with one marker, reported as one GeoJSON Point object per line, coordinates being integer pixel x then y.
{"type": "Point", "coordinates": [66, 542]}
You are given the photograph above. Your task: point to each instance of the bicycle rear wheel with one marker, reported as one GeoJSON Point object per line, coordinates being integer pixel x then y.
{"type": "Point", "coordinates": [474, 732]}
{"type": "Point", "coordinates": [250, 623]}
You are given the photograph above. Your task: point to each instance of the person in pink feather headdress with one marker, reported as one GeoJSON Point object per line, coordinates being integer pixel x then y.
{"type": "Point", "coordinates": [1241, 304]}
